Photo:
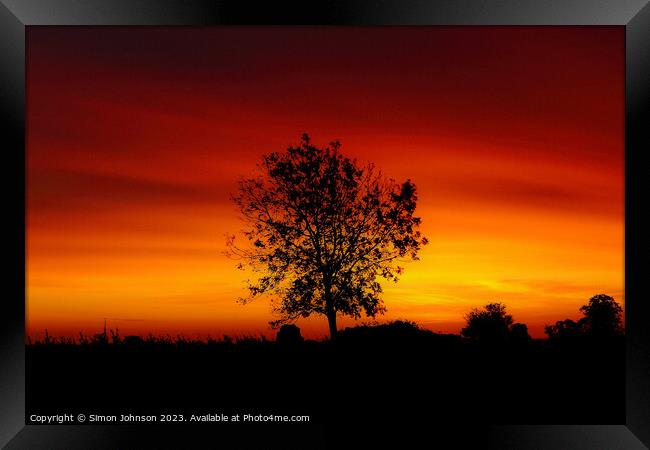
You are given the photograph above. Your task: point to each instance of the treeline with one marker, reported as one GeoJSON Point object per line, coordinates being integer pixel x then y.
{"type": "Point", "coordinates": [602, 318]}
{"type": "Point", "coordinates": [491, 325]}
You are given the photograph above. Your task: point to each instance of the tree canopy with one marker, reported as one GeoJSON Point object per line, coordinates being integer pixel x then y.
{"type": "Point", "coordinates": [489, 324]}
{"type": "Point", "coordinates": [602, 317]}
{"type": "Point", "coordinates": [322, 230]}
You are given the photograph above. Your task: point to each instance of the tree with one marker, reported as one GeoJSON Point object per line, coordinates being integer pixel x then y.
{"type": "Point", "coordinates": [322, 231]}
{"type": "Point", "coordinates": [490, 324]}
{"type": "Point", "coordinates": [602, 316]}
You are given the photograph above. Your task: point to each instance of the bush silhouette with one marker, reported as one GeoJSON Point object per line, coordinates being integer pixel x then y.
{"type": "Point", "coordinates": [397, 332]}
{"type": "Point", "coordinates": [488, 325]}
{"type": "Point", "coordinates": [565, 329]}
{"type": "Point", "coordinates": [289, 334]}
{"type": "Point", "coordinates": [519, 334]}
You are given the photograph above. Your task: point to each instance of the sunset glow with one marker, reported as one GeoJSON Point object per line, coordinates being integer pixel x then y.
{"type": "Point", "coordinates": [514, 137]}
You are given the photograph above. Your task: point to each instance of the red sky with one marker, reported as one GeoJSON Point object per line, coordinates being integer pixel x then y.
{"type": "Point", "coordinates": [136, 136]}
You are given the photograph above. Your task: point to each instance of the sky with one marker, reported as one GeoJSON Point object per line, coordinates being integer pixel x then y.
{"type": "Point", "coordinates": [136, 137]}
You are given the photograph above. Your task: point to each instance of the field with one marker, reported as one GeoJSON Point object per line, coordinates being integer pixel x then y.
{"type": "Point", "coordinates": [395, 372]}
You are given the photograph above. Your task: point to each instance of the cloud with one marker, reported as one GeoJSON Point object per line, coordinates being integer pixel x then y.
{"type": "Point", "coordinates": [524, 191]}
{"type": "Point", "coordinates": [60, 190]}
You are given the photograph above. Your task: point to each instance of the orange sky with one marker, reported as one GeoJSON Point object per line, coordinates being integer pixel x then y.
{"type": "Point", "coordinates": [136, 136]}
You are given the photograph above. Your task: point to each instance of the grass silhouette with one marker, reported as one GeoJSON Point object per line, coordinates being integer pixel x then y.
{"type": "Point", "coordinates": [370, 372]}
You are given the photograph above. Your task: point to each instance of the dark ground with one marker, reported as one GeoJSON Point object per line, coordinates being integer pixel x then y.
{"type": "Point", "coordinates": [361, 378]}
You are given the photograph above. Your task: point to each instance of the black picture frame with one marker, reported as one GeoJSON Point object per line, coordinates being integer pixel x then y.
{"type": "Point", "coordinates": [16, 15]}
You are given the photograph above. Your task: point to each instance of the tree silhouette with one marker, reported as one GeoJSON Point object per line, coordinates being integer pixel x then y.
{"type": "Point", "coordinates": [602, 316]}
{"type": "Point", "coordinates": [490, 324]}
{"type": "Point", "coordinates": [322, 231]}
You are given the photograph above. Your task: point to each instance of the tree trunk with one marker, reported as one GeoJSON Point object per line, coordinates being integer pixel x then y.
{"type": "Point", "coordinates": [331, 320]}
{"type": "Point", "coordinates": [331, 312]}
